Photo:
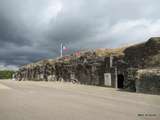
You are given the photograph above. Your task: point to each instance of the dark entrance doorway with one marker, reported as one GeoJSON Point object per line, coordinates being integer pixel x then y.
{"type": "Point", "coordinates": [120, 81]}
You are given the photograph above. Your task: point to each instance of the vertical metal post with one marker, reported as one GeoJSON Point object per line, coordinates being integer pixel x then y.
{"type": "Point", "coordinates": [61, 50]}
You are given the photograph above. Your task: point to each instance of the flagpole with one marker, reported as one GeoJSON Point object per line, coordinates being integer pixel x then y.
{"type": "Point", "coordinates": [61, 50]}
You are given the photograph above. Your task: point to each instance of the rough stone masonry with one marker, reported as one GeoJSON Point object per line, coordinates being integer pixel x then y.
{"type": "Point", "coordinates": [135, 68]}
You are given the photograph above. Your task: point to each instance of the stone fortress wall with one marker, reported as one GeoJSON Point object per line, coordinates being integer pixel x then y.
{"type": "Point", "coordinates": [135, 68]}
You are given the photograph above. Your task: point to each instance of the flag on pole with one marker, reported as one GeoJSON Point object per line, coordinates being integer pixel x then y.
{"type": "Point", "coordinates": [63, 48]}
{"type": "Point", "coordinates": [77, 53]}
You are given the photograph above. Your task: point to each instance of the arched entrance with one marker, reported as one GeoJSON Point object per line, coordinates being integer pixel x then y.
{"type": "Point", "coordinates": [120, 82]}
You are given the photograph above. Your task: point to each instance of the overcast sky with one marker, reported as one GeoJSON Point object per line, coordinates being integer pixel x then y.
{"type": "Point", "coordinates": [33, 29]}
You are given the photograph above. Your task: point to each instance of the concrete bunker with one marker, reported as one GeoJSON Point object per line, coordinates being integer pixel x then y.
{"type": "Point", "coordinates": [117, 68]}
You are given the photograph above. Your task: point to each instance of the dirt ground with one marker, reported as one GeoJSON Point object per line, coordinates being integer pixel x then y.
{"type": "Point", "coordinates": [28, 100]}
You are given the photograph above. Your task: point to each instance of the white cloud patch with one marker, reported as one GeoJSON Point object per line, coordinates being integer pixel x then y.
{"type": "Point", "coordinates": [8, 67]}
{"type": "Point", "coordinates": [51, 12]}
{"type": "Point", "coordinates": [134, 31]}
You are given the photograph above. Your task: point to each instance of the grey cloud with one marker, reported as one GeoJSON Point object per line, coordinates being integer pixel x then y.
{"type": "Point", "coordinates": [33, 29]}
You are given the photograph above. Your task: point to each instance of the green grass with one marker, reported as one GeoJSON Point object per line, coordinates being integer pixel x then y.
{"type": "Point", "coordinates": [6, 74]}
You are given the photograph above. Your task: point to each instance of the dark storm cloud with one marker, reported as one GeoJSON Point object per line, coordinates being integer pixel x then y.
{"type": "Point", "coordinates": [12, 33]}
{"type": "Point", "coordinates": [33, 29]}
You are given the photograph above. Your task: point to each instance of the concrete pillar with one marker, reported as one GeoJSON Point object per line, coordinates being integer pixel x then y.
{"type": "Point", "coordinates": [116, 79]}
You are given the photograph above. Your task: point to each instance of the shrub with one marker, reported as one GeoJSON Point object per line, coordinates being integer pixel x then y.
{"type": "Point", "coordinates": [6, 74]}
